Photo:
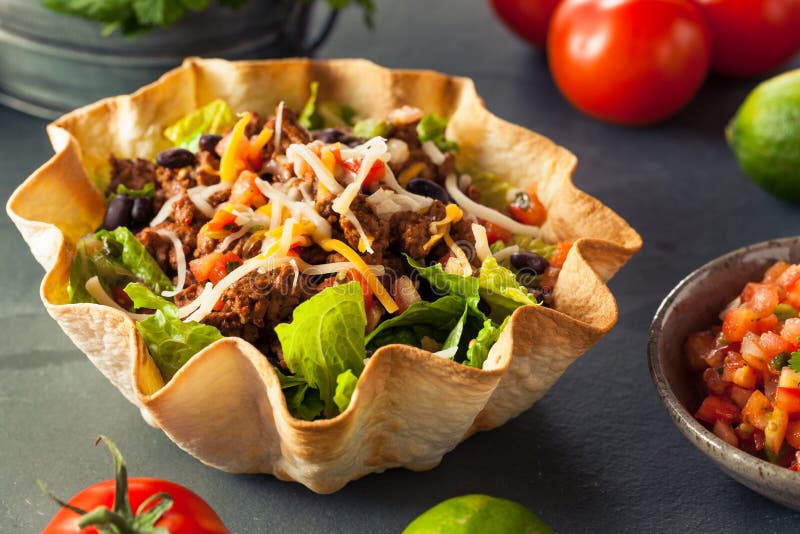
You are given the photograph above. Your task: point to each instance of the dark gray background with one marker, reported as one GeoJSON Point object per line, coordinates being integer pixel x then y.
{"type": "Point", "coordinates": [597, 454]}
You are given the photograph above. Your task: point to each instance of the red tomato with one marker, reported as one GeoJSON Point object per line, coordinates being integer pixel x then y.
{"type": "Point", "coordinates": [738, 321]}
{"type": "Point", "coordinates": [189, 514]}
{"type": "Point", "coordinates": [246, 192]}
{"type": "Point", "coordinates": [751, 37]}
{"type": "Point", "coordinates": [560, 255]}
{"type": "Point", "coordinates": [353, 275]}
{"type": "Point", "coordinates": [374, 175]}
{"type": "Point", "coordinates": [717, 408]}
{"type": "Point", "coordinates": [788, 399]}
{"type": "Point", "coordinates": [529, 19]}
{"type": "Point", "coordinates": [528, 209]}
{"type": "Point", "coordinates": [630, 62]}
{"type": "Point", "coordinates": [496, 233]}
{"type": "Point", "coordinates": [224, 264]}
{"type": "Point", "coordinates": [761, 298]}
{"type": "Point", "coordinates": [202, 266]}
{"type": "Point", "coordinates": [221, 219]}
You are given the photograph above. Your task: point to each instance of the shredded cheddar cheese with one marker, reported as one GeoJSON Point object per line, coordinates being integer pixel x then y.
{"type": "Point", "coordinates": [232, 162]}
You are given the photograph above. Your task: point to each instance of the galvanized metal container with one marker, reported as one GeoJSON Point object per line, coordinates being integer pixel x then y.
{"type": "Point", "coordinates": [51, 63]}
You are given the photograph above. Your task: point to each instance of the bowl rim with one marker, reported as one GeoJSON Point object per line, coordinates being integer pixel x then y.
{"type": "Point", "coordinates": [721, 452]}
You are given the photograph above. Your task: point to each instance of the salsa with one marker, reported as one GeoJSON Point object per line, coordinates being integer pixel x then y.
{"type": "Point", "coordinates": [749, 368]}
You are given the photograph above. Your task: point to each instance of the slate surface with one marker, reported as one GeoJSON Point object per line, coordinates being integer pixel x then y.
{"type": "Point", "coordinates": [597, 454]}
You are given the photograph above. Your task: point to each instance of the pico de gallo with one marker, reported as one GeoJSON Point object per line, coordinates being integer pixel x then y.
{"type": "Point", "coordinates": [315, 230]}
{"type": "Point", "coordinates": [749, 367]}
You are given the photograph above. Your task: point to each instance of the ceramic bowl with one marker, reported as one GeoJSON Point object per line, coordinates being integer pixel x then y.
{"type": "Point", "coordinates": [695, 304]}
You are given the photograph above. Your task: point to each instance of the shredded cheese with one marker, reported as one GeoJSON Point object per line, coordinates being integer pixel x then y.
{"type": "Point", "coordinates": [463, 262]}
{"type": "Point", "coordinates": [421, 202]}
{"type": "Point", "coordinates": [99, 294]}
{"type": "Point", "coordinates": [200, 202]}
{"type": "Point", "coordinates": [485, 212]}
{"type": "Point", "coordinates": [165, 211]}
{"type": "Point", "coordinates": [298, 152]}
{"type": "Point", "coordinates": [278, 126]}
{"type": "Point", "coordinates": [337, 267]}
{"type": "Point", "coordinates": [187, 309]}
{"type": "Point", "coordinates": [448, 354]}
{"type": "Point", "coordinates": [299, 209]}
{"type": "Point", "coordinates": [334, 245]}
{"type": "Point", "coordinates": [231, 163]}
{"type": "Point", "coordinates": [481, 242]}
{"type": "Point", "coordinates": [439, 228]}
{"type": "Point", "coordinates": [180, 259]}
{"type": "Point", "coordinates": [410, 172]}
{"type": "Point", "coordinates": [433, 152]}
{"type": "Point", "coordinates": [505, 253]}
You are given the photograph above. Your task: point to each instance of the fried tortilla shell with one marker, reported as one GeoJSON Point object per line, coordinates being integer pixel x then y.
{"type": "Point", "coordinates": [225, 406]}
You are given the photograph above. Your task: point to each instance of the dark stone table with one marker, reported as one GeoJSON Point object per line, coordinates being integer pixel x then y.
{"type": "Point", "coordinates": [597, 454]}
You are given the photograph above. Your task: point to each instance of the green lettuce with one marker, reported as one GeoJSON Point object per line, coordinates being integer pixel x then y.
{"type": "Point", "coordinates": [494, 190]}
{"type": "Point", "coordinates": [500, 288]}
{"type": "Point", "coordinates": [325, 340]}
{"type": "Point", "coordinates": [435, 320]}
{"type": "Point", "coordinates": [345, 386]}
{"type": "Point", "coordinates": [316, 115]}
{"type": "Point", "coordinates": [212, 118]}
{"type": "Point", "coordinates": [171, 342]}
{"type": "Point", "coordinates": [479, 351]}
{"type": "Point", "coordinates": [432, 128]}
{"type": "Point", "coordinates": [454, 284]}
{"type": "Point", "coordinates": [369, 128]}
{"type": "Point", "coordinates": [117, 258]}
{"type": "Point", "coordinates": [309, 118]}
{"type": "Point", "coordinates": [147, 191]}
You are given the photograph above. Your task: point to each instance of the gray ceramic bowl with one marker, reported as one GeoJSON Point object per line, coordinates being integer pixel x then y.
{"type": "Point", "coordinates": [695, 304]}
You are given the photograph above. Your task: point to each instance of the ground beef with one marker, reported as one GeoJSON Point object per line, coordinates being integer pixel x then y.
{"type": "Point", "coordinates": [291, 132]}
{"type": "Point", "coordinates": [207, 170]}
{"type": "Point", "coordinates": [258, 302]}
{"type": "Point", "coordinates": [133, 174]}
{"type": "Point", "coordinates": [374, 227]}
{"type": "Point", "coordinates": [313, 255]}
{"type": "Point", "coordinates": [324, 207]}
{"type": "Point", "coordinates": [161, 248]}
{"type": "Point", "coordinates": [183, 210]}
{"type": "Point", "coordinates": [410, 230]}
{"type": "Point", "coordinates": [408, 134]}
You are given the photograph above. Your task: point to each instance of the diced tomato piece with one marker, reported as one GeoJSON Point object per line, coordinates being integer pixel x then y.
{"type": "Point", "coordinates": [761, 298]}
{"type": "Point", "coordinates": [788, 399]}
{"type": "Point", "coordinates": [738, 321]}
{"type": "Point", "coordinates": [766, 324]}
{"type": "Point", "coordinates": [790, 331]}
{"type": "Point", "coordinates": [224, 264]}
{"type": "Point", "coordinates": [745, 377]}
{"type": "Point", "coordinates": [776, 429]}
{"type": "Point", "coordinates": [714, 382]}
{"type": "Point", "coordinates": [697, 346]}
{"type": "Point", "coordinates": [789, 277]}
{"type": "Point", "coordinates": [772, 344]}
{"type": "Point", "coordinates": [752, 353]}
{"type": "Point", "coordinates": [560, 255]}
{"type": "Point", "coordinates": [528, 209]}
{"type": "Point", "coordinates": [354, 275]}
{"type": "Point", "coordinates": [793, 296]}
{"type": "Point", "coordinates": [756, 410]}
{"type": "Point", "coordinates": [221, 219]}
{"type": "Point", "coordinates": [740, 395]}
{"type": "Point", "coordinates": [496, 233]}
{"type": "Point", "coordinates": [716, 408]}
{"type": "Point", "coordinates": [725, 432]}
{"type": "Point", "coordinates": [793, 434]}
{"type": "Point", "coordinates": [774, 272]}
{"type": "Point", "coordinates": [375, 174]}
{"type": "Point", "coordinates": [246, 192]}
{"type": "Point", "coordinates": [219, 305]}
{"type": "Point", "coordinates": [202, 266]}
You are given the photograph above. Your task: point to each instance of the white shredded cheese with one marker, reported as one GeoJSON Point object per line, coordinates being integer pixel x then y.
{"type": "Point", "coordinates": [385, 203]}
{"type": "Point", "coordinates": [420, 202]}
{"type": "Point", "coordinates": [198, 197]}
{"type": "Point", "coordinates": [299, 210]}
{"type": "Point", "coordinates": [505, 253]}
{"type": "Point", "coordinates": [447, 353]}
{"type": "Point", "coordinates": [298, 152]}
{"type": "Point", "coordinates": [165, 211]}
{"type": "Point", "coordinates": [362, 234]}
{"type": "Point", "coordinates": [99, 294]}
{"type": "Point", "coordinates": [339, 266]}
{"type": "Point", "coordinates": [278, 126]}
{"type": "Point", "coordinates": [286, 237]}
{"type": "Point", "coordinates": [481, 242]}
{"type": "Point", "coordinates": [433, 152]}
{"type": "Point", "coordinates": [180, 259]}
{"type": "Point", "coordinates": [228, 241]}
{"type": "Point", "coordinates": [398, 151]}
{"type": "Point", "coordinates": [188, 308]}
{"type": "Point", "coordinates": [485, 212]}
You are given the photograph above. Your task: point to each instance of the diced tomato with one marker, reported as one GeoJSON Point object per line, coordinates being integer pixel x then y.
{"type": "Point", "coordinates": [716, 408]}
{"type": "Point", "coordinates": [790, 331]}
{"type": "Point", "coordinates": [793, 296]}
{"type": "Point", "coordinates": [788, 399]}
{"type": "Point", "coordinates": [354, 275]}
{"type": "Point", "coordinates": [246, 192]}
{"type": "Point", "coordinates": [774, 272]}
{"type": "Point", "coordinates": [733, 362]}
{"type": "Point", "coordinates": [793, 434]}
{"type": "Point", "coordinates": [201, 267]}
{"type": "Point", "coordinates": [375, 174]}
{"type": "Point", "coordinates": [738, 321]}
{"type": "Point", "coordinates": [789, 277]}
{"type": "Point", "coordinates": [560, 255]}
{"type": "Point", "coordinates": [221, 219]}
{"type": "Point", "coordinates": [496, 233]}
{"type": "Point", "coordinates": [776, 429]}
{"type": "Point", "coordinates": [766, 324]}
{"type": "Point", "coordinates": [745, 377]}
{"type": "Point", "coordinates": [752, 353]}
{"type": "Point", "coordinates": [714, 382]}
{"type": "Point", "coordinates": [761, 298]}
{"type": "Point", "coordinates": [214, 266]}
{"type": "Point", "coordinates": [725, 432]}
{"type": "Point", "coordinates": [528, 209]}
{"type": "Point", "coordinates": [772, 344]}
{"type": "Point", "coordinates": [740, 395]}
{"type": "Point", "coordinates": [756, 410]}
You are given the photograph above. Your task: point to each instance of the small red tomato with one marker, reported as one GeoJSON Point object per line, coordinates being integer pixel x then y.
{"type": "Point", "coordinates": [496, 233]}
{"type": "Point", "coordinates": [375, 174]}
{"type": "Point", "coordinates": [170, 506]}
{"type": "Point", "coordinates": [751, 37]}
{"type": "Point", "coordinates": [529, 19]}
{"type": "Point", "coordinates": [629, 62]}
{"type": "Point", "coordinates": [528, 209]}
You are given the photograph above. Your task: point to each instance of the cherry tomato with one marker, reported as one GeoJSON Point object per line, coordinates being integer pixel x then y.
{"type": "Point", "coordinates": [495, 232]}
{"type": "Point", "coordinates": [374, 175]}
{"type": "Point", "coordinates": [354, 275]}
{"type": "Point", "coordinates": [751, 37]}
{"type": "Point", "coordinates": [188, 513]}
{"type": "Point", "coordinates": [631, 62]}
{"type": "Point", "coordinates": [528, 209]}
{"type": "Point", "coordinates": [529, 19]}
{"type": "Point", "coordinates": [560, 254]}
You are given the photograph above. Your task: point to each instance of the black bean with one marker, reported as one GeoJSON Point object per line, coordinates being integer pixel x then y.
{"type": "Point", "coordinates": [208, 142]}
{"type": "Point", "coordinates": [175, 158]}
{"type": "Point", "coordinates": [330, 135]}
{"type": "Point", "coordinates": [141, 211]}
{"type": "Point", "coordinates": [118, 212]}
{"type": "Point", "coordinates": [529, 262]}
{"type": "Point", "coordinates": [421, 186]}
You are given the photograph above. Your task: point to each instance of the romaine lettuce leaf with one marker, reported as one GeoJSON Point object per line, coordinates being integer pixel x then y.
{"type": "Point", "coordinates": [325, 339]}
{"type": "Point", "coordinates": [494, 190]}
{"type": "Point", "coordinates": [171, 342]}
{"type": "Point", "coordinates": [336, 114]}
{"type": "Point", "coordinates": [500, 288]}
{"type": "Point", "coordinates": [345, 386]}
{"type": "Point", "coordinates": [212, 118]}
{"type": "Point", "coordinates": [147, 191]}
{"type": "Point", "coordinates": [431, 128]}
{"type": "Point", "coordinates": [487, 336]}
{"type": "Point", "coordinates": [369, 128]}
{"type": "Point", "coordinates": [446, 283]}
{"type": "Point", "coordinates": [309, 118]}
{"type": "Point", "coordinates": [432, 319]}
{"type": "Point", "coordinates": [116, 258]}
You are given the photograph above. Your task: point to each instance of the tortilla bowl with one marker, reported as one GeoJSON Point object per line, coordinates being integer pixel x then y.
{"type": "Point", "coordinates": [225, 406]}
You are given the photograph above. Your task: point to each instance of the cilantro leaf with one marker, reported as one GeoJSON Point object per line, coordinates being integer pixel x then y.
{"type": "Point", "coordinates": [794, 362]}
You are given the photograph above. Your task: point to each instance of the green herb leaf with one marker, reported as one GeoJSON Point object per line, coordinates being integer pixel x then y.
{"type": "Point", "coordinates": [148, 191]}
{"type": "Point", "coordinates": [794, 362]}
{"type": "Point", "coordinates": [432, 128]}
{"type": "Point", "coordinates": [325, 339]}
{"type": "Point", "coordinates": [171, 342]}
{"type": "Point", "coordinates": [213, 118]}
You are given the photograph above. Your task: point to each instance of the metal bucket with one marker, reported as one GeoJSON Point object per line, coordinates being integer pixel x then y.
{"type": "Point", "coordinates": [52, 63]}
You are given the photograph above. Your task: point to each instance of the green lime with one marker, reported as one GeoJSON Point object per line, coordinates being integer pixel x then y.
{"type": "Point", "coordinates": [765, 135]}
{"type": "Point", "coordinates": [477, 514]}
